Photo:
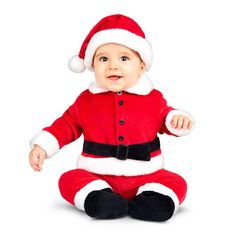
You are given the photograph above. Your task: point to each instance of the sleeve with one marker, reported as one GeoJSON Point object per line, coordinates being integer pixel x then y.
{"type": "Point", "coordinates": [164, 110]}
{"type": "Point", "coordinates": [166, 114]}
{"type": "Point", "coordinates": [62, 131]}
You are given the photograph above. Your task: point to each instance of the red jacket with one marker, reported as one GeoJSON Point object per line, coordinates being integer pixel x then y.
{"type": "Point", "coordinates": [112, 118]}
{"type": "Point", "coordinates": [109, 117]}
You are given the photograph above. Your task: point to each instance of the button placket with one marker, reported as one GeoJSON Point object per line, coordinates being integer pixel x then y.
{"type": "Point", "coordinates": [120, 119]}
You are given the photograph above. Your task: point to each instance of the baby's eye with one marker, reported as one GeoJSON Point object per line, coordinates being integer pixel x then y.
{"type": "Point", "coordinates": [124, 58]}
{"type": "Point", "coordinates": [103, 58]}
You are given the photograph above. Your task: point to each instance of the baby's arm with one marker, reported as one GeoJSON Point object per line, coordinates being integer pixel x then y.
{"type": "Point", "coordinates": [51, 139]}
{"type": "Point", "coordinates": [174, 122]}
{"type": "Point", "coordinates": [47, 142]}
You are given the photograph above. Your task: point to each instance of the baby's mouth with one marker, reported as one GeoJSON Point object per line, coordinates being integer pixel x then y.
{"type": "Point", "coordinates": [114, 77]}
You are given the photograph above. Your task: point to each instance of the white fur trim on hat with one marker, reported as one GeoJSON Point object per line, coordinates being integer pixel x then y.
{"type": "Point", "coordinates": [119, 36]}
{"type": "Point", "coordinates": [76, 64]}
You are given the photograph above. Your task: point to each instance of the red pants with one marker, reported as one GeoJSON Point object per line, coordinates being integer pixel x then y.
{"type": "Point", "coordinates": [73, 181]}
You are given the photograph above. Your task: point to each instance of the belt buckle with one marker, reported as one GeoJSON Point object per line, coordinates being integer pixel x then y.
{"type": "Point", "coordinates": [122, 152]}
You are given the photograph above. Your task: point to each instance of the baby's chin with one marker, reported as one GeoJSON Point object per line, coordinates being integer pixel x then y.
{"type": "Point", "coordinates": [114, 86]}
{"type": "Point", "coordinates": [116, 89]}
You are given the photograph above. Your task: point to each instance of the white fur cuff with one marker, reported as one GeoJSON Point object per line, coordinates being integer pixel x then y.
{"type": "Point", "coordinates": [46, 141]}
{"type": "Point", "coordinates": [83, 193]}
{"type": "Point", "coordinates": [178, 132]}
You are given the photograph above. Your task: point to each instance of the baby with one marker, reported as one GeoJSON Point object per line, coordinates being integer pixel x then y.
{"type": "Point", "coordinates": [120, 170]}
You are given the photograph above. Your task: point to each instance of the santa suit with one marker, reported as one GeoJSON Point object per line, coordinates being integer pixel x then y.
{"type": "Point", "coordinates": [130, 118]}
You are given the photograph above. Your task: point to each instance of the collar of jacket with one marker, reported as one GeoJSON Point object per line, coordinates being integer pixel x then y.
{"type": "Point", "coordinates": [143, 87]}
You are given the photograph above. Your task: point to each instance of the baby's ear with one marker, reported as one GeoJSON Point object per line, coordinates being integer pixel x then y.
{"type": "Point", "coordinates": [142, 65]}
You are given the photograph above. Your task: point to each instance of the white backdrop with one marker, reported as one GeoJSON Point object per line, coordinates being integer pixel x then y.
{"type": "Point", "coordinates": [194, 67]}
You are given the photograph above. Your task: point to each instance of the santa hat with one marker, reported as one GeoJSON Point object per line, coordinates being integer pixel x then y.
{"type": "Point", "coordinates": [118, 29]}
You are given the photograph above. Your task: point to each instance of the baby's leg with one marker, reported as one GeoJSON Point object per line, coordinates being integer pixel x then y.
{"type": "Point", "coordinates": [90, 193]}
{"type": "Point", "coordinates": [159, 197]}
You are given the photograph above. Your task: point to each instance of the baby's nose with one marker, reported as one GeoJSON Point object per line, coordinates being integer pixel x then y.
{"type": "Point", "coordinates": [113, 65]}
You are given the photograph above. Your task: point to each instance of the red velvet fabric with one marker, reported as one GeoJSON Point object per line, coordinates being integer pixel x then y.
{"type": "Point", "coordinates": [127, 186]}
{"type": "Point", "coordinates": [98, 116]}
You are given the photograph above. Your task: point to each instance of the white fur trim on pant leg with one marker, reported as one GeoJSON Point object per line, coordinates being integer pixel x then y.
{"type": "Point", "coordinates": [159, 188]}
{"type": "Point", "coordinates": [47, 142]}
{"type": "Point", "coordinates": [81, 195]}
{"type": "Point", "coordinates": [178, 132]}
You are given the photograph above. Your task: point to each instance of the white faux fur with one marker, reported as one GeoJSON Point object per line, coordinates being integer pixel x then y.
{"type": "Point", "coordinates": [143, 87]}
{"type": "Point", "coordinates": [76, 64]}
{"type": "Point", "coordinates": [81, 195]}
{"type": "Point", "coordinates": [46, 141]}
{"type": "Point", "coordinates": [95, 88]}
{"type": "Point", "coordinates": [178, 132]}
{"type": "Point", "coordinates": [119, 36]}
{"type": "Point", "coordinates": [114, 166]}
{"type": "Point", "coordinates": [159, 188]}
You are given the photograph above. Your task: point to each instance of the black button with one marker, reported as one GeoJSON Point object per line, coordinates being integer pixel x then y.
{"type": "Point", "coordinates": [122, 122]}
{"type": "Point", "coordinates": [121, 102]}
{"type": "Point", "coordinates": [119, 93]}
{"type": "Point", "coordinates": [121, 138]}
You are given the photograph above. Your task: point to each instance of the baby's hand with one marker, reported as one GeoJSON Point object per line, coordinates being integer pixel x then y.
{"type": "Point", "coordinates": [36, 158]}
{"type": "Point", "coordinates": [181, 122]}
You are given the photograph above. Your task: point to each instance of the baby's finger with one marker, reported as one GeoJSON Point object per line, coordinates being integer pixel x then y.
{"type": "Point", "coordinates": [180, 122]}
{"type": "Point", "coordinates": [190, 125]}
{"type": "Point", "coordinates": [34, 164]}
{"type": "Point", "coordinates": [36, 168]}
{"type": "Point", "coordinates": [34, 161]}
{"type": "Point", "coordinates": [186, 123]}
{"type": "Point", "coordinates": [174, 121]}
{"type": "Point", "coordinates": [41, 160]}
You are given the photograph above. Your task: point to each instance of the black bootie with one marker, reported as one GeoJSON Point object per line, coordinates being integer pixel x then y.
{"type": "Point", "coordinates": [151, 206]}
{"type": "Point", "coordinates": [105, 204]}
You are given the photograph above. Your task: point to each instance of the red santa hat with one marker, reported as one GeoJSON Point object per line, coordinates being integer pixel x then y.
{"type": "Point", "coordinates": [118, 29]}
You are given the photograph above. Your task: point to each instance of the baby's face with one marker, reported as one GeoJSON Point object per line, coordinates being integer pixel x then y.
{"type": "Point", "coordinates": [117, 67]}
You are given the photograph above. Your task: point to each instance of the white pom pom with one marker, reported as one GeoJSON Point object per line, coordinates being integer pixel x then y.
{"type": "Point", "coordinates": [76, 64]}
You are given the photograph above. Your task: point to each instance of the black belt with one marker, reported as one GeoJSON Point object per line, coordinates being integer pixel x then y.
{"type": "Point", "coordinates": [139, 152]}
